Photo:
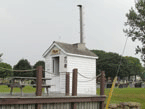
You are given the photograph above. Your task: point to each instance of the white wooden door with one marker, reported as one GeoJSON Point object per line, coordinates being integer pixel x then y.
{"type": "Point", "coordinates": [56, 72]}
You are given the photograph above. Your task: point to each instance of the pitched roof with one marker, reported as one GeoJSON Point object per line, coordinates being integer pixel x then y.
{"type": "Point", "coordinates": [70, 48]}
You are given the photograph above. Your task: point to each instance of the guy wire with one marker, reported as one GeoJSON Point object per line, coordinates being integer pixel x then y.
{"type": "Point", "coordinates": [121, 57]}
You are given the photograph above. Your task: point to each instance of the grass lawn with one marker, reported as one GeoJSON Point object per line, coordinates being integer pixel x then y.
{"type": "Point", "coordinates": [26, 89]}
{"type": "Point", "coordinates": [119, 94]}
{"type": "Point", "coordinates": [127, 95]}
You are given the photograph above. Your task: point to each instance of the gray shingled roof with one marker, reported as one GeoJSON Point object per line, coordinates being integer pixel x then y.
{"type": "Point", "coordinates": [69, 48]}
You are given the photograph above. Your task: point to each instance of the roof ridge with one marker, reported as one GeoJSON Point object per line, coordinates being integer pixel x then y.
{"type": "Point", "coordinates": [62, 42]}
{"type": "Point", "coordinates": [71, 49]}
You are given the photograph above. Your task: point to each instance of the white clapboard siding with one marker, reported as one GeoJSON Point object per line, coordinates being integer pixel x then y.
{"type": "Point", "coordinates": [55, 80]}
{"type": "Point", "coordinates": [86, 67]}
{"type": "Point", "coordinates": [48, 68]}
{"type": "Point", "coordinates": [61, 66]}
{"type": "Point", "coordinates": [62, 82]}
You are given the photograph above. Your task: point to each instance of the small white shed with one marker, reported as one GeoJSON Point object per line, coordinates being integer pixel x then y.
{"type": "Point", "coordinates": [61, 58]}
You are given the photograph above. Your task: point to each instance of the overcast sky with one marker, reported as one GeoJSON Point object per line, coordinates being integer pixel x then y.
{"type": "Point", "coordinates": [28, 27]}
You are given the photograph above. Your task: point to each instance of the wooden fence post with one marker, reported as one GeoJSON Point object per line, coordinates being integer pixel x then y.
{"type": "Point", "coordinates": [67, 84]}
{"type": "Point", "coordinates": [39, 84]}
{"type": "Point", "coordinates": [39, 81]}
{"type": "Point", "coordinates": [74, 86]}
{"type": "Point", "coordinates": [102, 87]}
{"type": "Point", "coordinates": [74, 82]}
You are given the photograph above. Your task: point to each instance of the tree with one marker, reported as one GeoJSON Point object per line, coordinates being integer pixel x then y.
{"type": "Point", "coordinates": [3, 72]}
{"type": "Point", "coordinates": [0, 57]}
{"type": "Point", "coordinates": [109, 63]}
{"type": "Point", "coordinates": [136, 26]}
{"type": "Point", "coordinates": [144, 76]}
{"type": "Point", "coordinates": [39, 63]}
{"type": "Point", "coordinates": [23, 64]}
{"type": "Point", "coordinates": [134, 66]}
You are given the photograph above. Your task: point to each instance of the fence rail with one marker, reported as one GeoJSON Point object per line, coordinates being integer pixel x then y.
{"type": "Point", "coordinates": [55, 102]}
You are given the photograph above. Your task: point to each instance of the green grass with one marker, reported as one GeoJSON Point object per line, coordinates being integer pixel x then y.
{"type": "Point", "coordinates": [127, 95]}
{"type": "Point", "coordinates": [119, 94]}
{"type": "Point", "coordinates": [26, 89]}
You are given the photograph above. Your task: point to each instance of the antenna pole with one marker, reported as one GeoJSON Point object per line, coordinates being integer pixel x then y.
{"type": "Point", "coordinates": [81, 24]}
